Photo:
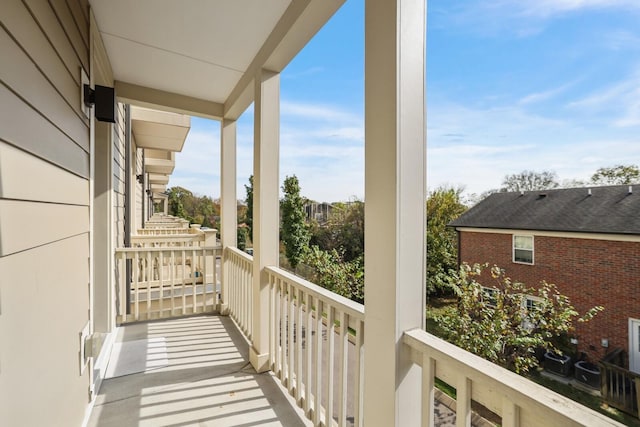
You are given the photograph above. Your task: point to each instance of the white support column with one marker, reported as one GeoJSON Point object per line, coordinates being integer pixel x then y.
{"type": "Point", "coordinates": [395, 188]}
{"type": "Point", "coordinates": [266, 211]}
{"type": "Point", "coordinates": [229, 202]}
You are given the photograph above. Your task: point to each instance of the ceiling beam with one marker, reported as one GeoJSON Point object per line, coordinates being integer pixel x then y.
{"type": "Point", "coordinates": [300, 22]}
{"type": "Point", "coordinates": [167, 101]}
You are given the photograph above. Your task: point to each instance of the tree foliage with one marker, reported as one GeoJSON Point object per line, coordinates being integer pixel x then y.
{"type": "Point", "coordinates": [343, 232]}
{"type": "Point", "coordinates": [295, 232]}
{"type": "Point", "coordinates": [248, 218]}
{"type": "Point", "coordinates": [196, 209]}
{"type": "Point", "coordinates": [495, 322]}
{"type": "Point", "coordinates": [619, 174]}
{"type": "Point", "coordinates": [443, 206]}
{"type": "Point", "coordinates": [530, 181]}
{"type": "Point", "coordinates": [332, 272]}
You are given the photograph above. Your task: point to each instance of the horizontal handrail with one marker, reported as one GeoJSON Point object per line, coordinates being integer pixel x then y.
{"type": "Point", "coordinates": [518, 401]}
{"type": "Point", "coordinates": [352, 308]}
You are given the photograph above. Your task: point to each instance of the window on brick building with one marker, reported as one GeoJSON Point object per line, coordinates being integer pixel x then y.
{"type": "Point", "coordinates": [529, 304]}
{"type": "Point", "coordinates": [523, 249]}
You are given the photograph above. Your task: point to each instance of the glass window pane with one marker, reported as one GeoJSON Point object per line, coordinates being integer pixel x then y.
{"type": "Point", "coordinates": [523, 242]}
{"type": "Point", "coordinates": [522, 255]}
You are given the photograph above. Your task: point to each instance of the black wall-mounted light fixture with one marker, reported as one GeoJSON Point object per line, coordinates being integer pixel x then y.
{"type": "Point", "coordinates": [140, 178]}
{"type": "Point", "coordinates": [104, 99]}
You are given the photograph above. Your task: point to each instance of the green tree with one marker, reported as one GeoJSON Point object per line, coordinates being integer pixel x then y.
{"type": "Point", "coordinates": [530, 181]}
{"type": "Point", "coordinates": [295, 232]}
{"type": "Point", "coordinates": [443, 206]}
{"type": "Point", "coordinates": [619, 174]}
{"type": "Point", "coordinates": [496, 322]}
{"type": "Point", "coordinates": [332, 272]}
{"type": "Point", "coordinates": [242, 237]}
{"type": "Point", "coordinates": [248, 217]}
{"type": "Point", "coordinates": [344, 231]}
{"type": "Point", "coordinates": [177, 198]}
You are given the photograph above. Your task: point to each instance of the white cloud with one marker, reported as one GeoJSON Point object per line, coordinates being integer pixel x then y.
{"type": "Point", "coordinates": [476, 148]}
{"type": "Point", "coordinates": [618, 104]}
{"type": "Point", "coordinates": [546, 95]}
{"type": "Point", "coordinates": [523, 18]}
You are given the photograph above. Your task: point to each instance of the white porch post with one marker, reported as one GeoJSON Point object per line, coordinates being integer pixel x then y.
{"type": "Point", "coordinates": [395, 187]}
{"type": "Point", "coordinates": [266, 213]}
{"type": "Point", "coordinates": [229, 202]}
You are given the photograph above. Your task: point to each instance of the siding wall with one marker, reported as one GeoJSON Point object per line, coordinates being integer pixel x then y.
{"type": "Point", "coordinates": [589, 272]}
{"type": "Point", "coordinates": [119, 172]}
{"type": "Point", "coordinates": [44, 212]}
{"type": "Point", "coordinates": [139, 193]}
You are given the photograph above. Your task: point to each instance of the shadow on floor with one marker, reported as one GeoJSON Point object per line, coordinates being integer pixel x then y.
{"type": "Point", "coordinates": [207, 381]}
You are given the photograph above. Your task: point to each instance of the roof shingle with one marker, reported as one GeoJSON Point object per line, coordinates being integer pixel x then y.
{"type": "Point", "coordinates": [611, 210]}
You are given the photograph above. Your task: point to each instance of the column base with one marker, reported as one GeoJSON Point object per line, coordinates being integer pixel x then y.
{"type": "Point", "coordinates": [223, 309]}
{"type": "Point", "coordinates": [260, 362]}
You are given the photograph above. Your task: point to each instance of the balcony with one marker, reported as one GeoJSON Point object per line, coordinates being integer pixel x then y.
{"type": "Point", "coordinates": [179, 370]}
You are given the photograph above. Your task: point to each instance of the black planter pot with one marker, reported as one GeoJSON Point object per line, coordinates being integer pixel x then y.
{"type": "Point", "coordinates": [557, 363]}
{"type": "Point", "coordinates": [587, 373]}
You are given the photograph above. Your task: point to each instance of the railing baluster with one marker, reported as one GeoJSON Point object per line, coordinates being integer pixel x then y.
{"type": "Point", "coordinates": [273, 325]}
{"type": "Point", "coordinates": [344, 368]}
{"type": "Point", "coordinates": [510, 413]}
{"type": "Point", "coordinates": [193, 281]}
{"type": "Point", "coordinates": [308, 342]}
{"type": "Point", "coordinates": [172, 278]}
{"type": "Point", "coordinates": [136, 286]}
{"type": "Point", "coordinates": [183, 281]}
{"type": "Point", "coordinates": [359, 376]}
{"type": "Point", "coordinates": [148, 283]}
{"type": "Point", "coordinates": [299, 323]}
{"type": "Point", "coordinates": [331, 329]}
{"type": "Point", "coordinates": [283, 330]}
{"type": "Point", "coordinates": [463, 402]}
{"type": "Point", "coordinates": [428, 390]}
{"type": "Point", "coordinates": [291, 344]}
{"type": "Point", "coordinates": [317, 362]}
{"type": "Point", "coordinates": [161, 288]}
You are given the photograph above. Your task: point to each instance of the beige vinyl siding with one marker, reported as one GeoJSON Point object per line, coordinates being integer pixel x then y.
{"type": "Point", "coordinates": [139, 194]}
{"type": "Point", "coordinates": [44, 307]}
{"type": "Point", "coordinates": [41, 48]}
{"type": "Point", "coordinates": [44, 212]}
{"type": "Point", "coordinates": [119, 171]}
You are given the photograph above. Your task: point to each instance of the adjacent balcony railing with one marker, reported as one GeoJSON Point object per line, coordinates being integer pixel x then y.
{"type": "Point", "coordinates": [167, 275]}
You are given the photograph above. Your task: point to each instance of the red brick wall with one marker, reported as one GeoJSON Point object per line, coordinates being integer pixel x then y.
{"type": "Point", "coordinates": [589, 272]}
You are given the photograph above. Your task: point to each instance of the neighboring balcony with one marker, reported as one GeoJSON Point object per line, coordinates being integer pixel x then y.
{"type": "Point", "coordinates": [193, 364]}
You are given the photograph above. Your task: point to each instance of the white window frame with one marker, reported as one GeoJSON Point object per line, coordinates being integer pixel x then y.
{"type": "Point", "coordinates": [489, 296]}
{"type": "Point", "coordinates": [513, 249]}
{"type": "Point", "coordinates": [525, 306]}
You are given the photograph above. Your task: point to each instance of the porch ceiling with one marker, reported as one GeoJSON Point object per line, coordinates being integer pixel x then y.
{"type": "Point", "coordinates": [202, 55]}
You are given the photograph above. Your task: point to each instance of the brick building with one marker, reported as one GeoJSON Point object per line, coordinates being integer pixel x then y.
{"type": "Point", "coordinates": [586, 241]}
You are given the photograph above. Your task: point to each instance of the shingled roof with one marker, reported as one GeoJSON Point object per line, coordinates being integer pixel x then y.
{"type": "Point", "coordinates": [611, 210]}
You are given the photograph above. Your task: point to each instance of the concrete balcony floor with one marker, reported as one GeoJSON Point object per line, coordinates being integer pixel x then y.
{"type": "Point", "coordinates": [189, 371]}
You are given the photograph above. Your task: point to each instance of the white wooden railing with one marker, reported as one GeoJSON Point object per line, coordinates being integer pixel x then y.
{"type": "Point", "coordinates": [517, 400]}
{"type": "Point", "coordinates": [158, 231]}
{"type": "Point", "coordinates": [317, 348]}
{"type": "Point", "coordinates": [164, 282]}
{"type": "Point", "coordinates": [238, 274]}
{"type": "Point", "coordinates": [168, 240]}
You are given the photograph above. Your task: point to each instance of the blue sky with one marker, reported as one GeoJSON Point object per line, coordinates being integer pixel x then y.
{"type": "Point", "coordinates": [511, 85]}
